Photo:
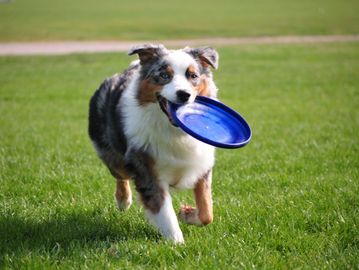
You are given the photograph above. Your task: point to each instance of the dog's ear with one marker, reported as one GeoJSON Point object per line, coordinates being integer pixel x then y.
{"type": "Point", "coordinates": [148, 52]}
{"type": "Point", "coordinates": [206, 56]}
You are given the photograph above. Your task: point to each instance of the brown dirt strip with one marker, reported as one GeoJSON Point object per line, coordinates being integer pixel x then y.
{"type": "Point", "coordinates": [68, 47]}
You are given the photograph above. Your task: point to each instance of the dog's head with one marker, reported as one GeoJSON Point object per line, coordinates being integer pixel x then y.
{"type": "Point", "coordinates": [177, 76]}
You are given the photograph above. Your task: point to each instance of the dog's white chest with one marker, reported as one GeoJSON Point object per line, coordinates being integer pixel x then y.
{"type": "Point", "coordinates": [179, 158]}
{"type": "Point", "coordinates": [183, 164]}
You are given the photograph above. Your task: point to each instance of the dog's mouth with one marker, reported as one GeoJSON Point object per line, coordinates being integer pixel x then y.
{"type": "Point", "coordinates": [165, 107]}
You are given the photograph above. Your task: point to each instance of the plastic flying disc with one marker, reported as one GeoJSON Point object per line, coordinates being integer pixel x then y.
{"type": "Point", "coordinates": [212, 122]}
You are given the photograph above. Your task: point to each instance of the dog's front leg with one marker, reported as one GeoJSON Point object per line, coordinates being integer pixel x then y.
{"type": "Point", "coordinates": [165, 219]}
{"type": "Point", "coordinates": [203, 213]}
{"type": "Point", "coordinates": [155, 197]}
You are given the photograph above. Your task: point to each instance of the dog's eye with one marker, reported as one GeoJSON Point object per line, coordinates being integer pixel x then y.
{"type": "Point", "coordinates": [164, 75]}
{"type": "Point", "coordinates": [193, 75]}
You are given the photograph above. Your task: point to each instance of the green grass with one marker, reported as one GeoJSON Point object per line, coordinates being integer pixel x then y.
{"type": "Point", "coordinates": [111, 19]}
{"type": "Point", "coordinates": [288, 200]}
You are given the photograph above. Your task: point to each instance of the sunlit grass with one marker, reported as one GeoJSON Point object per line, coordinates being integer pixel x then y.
{"type": "Point", "coordinates": [287, 200]}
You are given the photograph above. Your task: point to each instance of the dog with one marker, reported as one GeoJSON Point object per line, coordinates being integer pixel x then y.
{"type": "Point", "coordinates": [134, 135]}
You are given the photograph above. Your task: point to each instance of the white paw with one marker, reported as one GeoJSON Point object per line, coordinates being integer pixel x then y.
{"type": "Point", "coordinates": [189, 215]}
{"type": "Point", "coordinates": [166, 221]}
{"type": "Point", "coordinates": [176, 237]}
{"type": "Point", "coordinates": [124, 204]}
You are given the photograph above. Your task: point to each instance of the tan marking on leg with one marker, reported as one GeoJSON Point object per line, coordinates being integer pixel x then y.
{"type": "Point", "coordinates": [203, 196]}
{"type": "Point", "coordinates": [203, 214]}
{"type": "Point", "coordinates": [123, 194]}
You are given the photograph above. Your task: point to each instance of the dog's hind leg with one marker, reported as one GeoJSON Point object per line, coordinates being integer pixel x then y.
{"type": "Point", "coordinates": [203, 214]}
{"type": "Point", "coordinates": [123, 194]}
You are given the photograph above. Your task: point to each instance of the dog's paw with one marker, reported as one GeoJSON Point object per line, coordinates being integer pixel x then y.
{"type": "Point", "coordinates": [123, 204]}
{"type": "Point", "coordinates": [189, 215]}
{"type": "Point", "coordinates": [176, 238]}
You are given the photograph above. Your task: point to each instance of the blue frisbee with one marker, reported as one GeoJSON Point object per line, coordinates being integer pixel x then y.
{"type": "Point", "coordinates": [212, 122]}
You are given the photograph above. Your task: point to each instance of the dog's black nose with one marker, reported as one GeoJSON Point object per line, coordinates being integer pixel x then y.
{"type": "Point", "coordinates": [182, 96]}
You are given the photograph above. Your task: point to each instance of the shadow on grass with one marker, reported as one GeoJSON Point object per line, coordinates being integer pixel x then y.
{"type": "Point", "coordinates": [72, 231]}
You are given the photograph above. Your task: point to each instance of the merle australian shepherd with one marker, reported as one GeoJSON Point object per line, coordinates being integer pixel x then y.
{"type": "Point", "coordinates": [134, 135]}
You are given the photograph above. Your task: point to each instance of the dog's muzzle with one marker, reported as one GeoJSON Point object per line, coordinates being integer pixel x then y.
{"type": "Point", "coordinates": [165, 107]}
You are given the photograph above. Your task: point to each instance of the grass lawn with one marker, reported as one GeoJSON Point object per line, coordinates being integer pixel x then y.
{"type": "Point", "coordinates": [290, 199]}
{"type": "Point", "coordinates": [142, 19]}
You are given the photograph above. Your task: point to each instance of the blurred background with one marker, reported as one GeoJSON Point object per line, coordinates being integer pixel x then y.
{"type": "Point", "coordinates": [143, 20]}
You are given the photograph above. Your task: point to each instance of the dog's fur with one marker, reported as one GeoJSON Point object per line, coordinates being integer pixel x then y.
{"type": "Point", "coordinates": [135, 137]}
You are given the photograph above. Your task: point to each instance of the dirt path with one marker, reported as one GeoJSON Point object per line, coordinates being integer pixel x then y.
{"type": "Point", "coordinates": [67, 47]}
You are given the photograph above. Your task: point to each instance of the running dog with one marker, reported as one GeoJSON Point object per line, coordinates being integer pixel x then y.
{"type": "Point", "coordinates": [134, 135]}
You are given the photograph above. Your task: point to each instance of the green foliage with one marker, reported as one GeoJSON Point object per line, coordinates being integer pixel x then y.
{"type": "Point", "coordinates": [153, 20]}
{"type": "Point", "coordinates": [287, 200]}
